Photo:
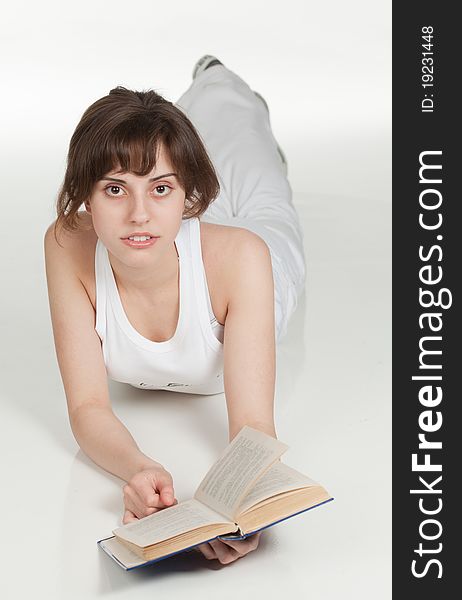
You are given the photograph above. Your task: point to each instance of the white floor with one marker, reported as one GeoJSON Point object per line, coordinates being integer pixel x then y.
{"type": "Point", "coordinates": [333, 397]}
{"type": "Point", "coordinates": [332, 408]}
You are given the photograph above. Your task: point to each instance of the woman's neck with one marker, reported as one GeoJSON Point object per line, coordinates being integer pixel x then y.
{"type": "Point", "coordinates": [150, 280]}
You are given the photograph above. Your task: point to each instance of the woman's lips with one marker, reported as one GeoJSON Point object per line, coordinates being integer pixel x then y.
{"type": "Point", "coordinates": [144, 244]}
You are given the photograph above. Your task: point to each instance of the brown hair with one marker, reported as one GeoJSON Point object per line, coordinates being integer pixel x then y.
{"type": "Point", "coordinates": [125, 129]}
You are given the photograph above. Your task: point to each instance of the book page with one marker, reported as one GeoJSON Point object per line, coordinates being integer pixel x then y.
{"type": "Point", "coordinates": [243, 461]}
{"type": "Point", "coordinates": [123, 555]}
{"type": "Point", "coordinates": [279, 478]}
{"type": "Point", "coordinates": [169, 522]}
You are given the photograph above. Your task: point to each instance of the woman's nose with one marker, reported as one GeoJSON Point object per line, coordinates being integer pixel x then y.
{"type": "Point", "coordinates": [139, 208]}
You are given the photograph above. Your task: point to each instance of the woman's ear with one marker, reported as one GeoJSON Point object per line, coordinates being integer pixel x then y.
{"type": "Point", "coordinates": [87, 206]}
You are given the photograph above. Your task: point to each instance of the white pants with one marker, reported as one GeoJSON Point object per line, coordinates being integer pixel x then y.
{"type": "Point", "coordinates": [255, 194]}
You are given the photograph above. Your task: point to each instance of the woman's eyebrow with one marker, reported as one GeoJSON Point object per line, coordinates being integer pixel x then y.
{"type": "Point", "coordinates": [151, 179]}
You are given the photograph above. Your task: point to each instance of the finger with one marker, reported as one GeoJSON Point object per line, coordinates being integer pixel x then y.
{"type": "Point", "coordinates": [165, 487]}
{"type": "Point", "coordinates": [128, 517]}
{"type": "Point", "coordinates": [254, 540]}
{"type": "Point", "coordinates": [149, 498]}
{"type": "Point", "coordinates": [156, 489]}
{"type": "Point", "coordinates": [154, 502]}
{"type": "Point", "coordinates": [129, 500]}
{"type": "Point", "coordinates": [133, 502]}
{"type": "Point", "coordinates": [225, 554]}
{"type": "Point", "coordinates": [244, 546]}
{"type": "Point", "coordinates": [145, 493]}
{"type": "Point", "coordinates": [207, 551]}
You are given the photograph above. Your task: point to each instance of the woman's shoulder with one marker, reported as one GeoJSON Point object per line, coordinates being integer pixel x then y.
{"type": "Point", "coordinates": [77, 248]}
{"type": "Point", "coordinates": [71, 243]}
{"type": "Point", "coordinates": [225, 247]}
{"type": "Point", "coordinates": [226, 237]}
{"type": "Point", "coordinates": [221, 242]}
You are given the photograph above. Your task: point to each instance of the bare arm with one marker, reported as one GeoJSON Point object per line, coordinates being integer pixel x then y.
{"type": "Point", "coordinates": [249, 357]}
{"type": "Point", "coordinates": [106, 440]}
{"type": "Point", "coordinates": [249, 338]}
{"type": "Point", "coordinates": [97, 430]}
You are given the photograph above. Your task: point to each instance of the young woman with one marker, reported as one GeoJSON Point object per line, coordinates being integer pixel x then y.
{"type": "Point", "coordinates": [182, 272]}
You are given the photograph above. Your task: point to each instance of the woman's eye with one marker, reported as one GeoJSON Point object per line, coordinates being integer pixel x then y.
{"type": "Point", "coordinates": [164, 189]}
{"type": "Point", "coordinates": [112, 188]}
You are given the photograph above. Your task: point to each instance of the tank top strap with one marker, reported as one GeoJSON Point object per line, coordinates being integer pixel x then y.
{"type": "Point", "coordinates": [101, 289]}
{"type": "Point", "coordinates": [182, 241]}
{"type": "Point", "coordinates": [206, 315]}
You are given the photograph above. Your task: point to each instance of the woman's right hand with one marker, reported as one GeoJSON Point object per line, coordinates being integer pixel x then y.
{"type": "Point", "coordinates": [147, 492]}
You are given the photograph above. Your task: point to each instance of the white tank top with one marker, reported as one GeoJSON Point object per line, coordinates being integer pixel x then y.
{"type": "Point", "coordinates": [192, 360]}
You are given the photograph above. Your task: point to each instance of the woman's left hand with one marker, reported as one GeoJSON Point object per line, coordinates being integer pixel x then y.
{"type": "Point", "coordinates": [227, 551]}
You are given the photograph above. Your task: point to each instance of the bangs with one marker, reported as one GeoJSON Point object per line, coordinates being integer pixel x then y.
{"type": "Point", "coordinates": [132, 147]}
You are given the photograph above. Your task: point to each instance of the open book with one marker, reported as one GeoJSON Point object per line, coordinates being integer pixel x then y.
{"type": "Point", "coordinates": [246, 490]}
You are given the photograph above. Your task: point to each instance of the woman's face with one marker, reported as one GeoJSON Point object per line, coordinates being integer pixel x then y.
{"type": "Point", "coordinates": [123, 203]}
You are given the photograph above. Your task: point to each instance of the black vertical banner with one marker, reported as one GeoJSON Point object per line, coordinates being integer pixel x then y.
{"type": "Point", "coordinates": [427, 256]}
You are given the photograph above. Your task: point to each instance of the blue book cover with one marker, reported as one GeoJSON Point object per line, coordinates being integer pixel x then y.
{"type": "Point", "coordinates": [128, 560]}
{"type": "Point", "coordinates": [245, 491]}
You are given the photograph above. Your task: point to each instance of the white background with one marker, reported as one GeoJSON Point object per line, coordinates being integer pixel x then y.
{"type": "Point", "coordinates": [325, 71]}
